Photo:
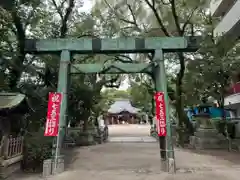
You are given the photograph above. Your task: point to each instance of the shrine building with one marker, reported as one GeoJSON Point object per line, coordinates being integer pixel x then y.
{"type": "Point", "coordinates": [122, 112]}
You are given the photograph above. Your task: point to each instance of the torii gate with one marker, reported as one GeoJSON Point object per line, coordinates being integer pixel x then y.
{"type": "Point", "coordinates": [156, 45]}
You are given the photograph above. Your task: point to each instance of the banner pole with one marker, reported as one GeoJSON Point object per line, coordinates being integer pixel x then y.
{"type": "Point", "coordinates": [56, 153]}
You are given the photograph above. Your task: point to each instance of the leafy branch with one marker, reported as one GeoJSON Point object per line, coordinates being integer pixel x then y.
{"type": "Point", "coordinates": [175, 16]}
{"type": "Point", "coordinates": [134, 22]}
{"type": "Point", "coordinates": [188, 21]}
{"type": "Point", "coordinates": [158, 17]}
{"type": "Point", "coordinates": [64, 17]}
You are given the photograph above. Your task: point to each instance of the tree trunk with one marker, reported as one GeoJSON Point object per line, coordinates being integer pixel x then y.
{"type": "Point", "coordinates": [223, 81]}
{"type": "Point", "coordinates": [153, 111]}
{"type": "Point", "coordinates": [221, 104]}
{"type": "Point", "coordinates": [183, 119]}
{"type": "Point", "coordinates": [85, 120]}
{"type": "Point", "coordinates": [85, 125]}
{"type": "Point", "coordinates": [185, 127]}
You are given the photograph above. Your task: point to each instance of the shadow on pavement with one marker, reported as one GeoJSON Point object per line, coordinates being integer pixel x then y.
{"type": "Point", "coordinates": [70, 156]}
{"type": "Point", "coordinates": [231, 156]}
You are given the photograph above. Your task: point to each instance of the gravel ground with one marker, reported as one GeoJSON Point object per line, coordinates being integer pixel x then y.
{"type": "Point", "coordinates": [139, 160]}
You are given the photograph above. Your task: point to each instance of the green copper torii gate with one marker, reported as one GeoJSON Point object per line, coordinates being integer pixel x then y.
{"type": "Point", "coordinates": [157, 45]}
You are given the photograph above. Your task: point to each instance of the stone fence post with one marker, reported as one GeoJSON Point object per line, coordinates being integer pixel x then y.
{"type": "Point", "coordinates": [53, 166]}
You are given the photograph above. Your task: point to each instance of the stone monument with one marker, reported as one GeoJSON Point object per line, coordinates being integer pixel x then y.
{"type": "Point", "coordinates": [206, 135]}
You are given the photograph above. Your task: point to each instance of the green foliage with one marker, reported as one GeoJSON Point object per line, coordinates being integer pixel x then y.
{"type": "Point", "coordinates": [210, 73]}
{"type": "Point", "coordinates": [108, 97]}
{"type": "Point", "coordinates": [157, 18]}
{"type": "Point", "coordinates": [225, 126]}
{"type": "Point", "coordinates": [140, 96]}
{"type": "Point", "coordinates": [74, 135]}
{"type": "Point", "coordinates": [52, 19]}
{"type": "Point", "coordinates": [36, 149]}
{"type": "Point", "coordinates": [153, 133]}
{"type": "Point", "coordinates": [36, 76]}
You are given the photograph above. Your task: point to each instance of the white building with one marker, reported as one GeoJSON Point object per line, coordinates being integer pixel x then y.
{"type": "Point", "coordinates": [121, 112]}
{"type": "Point", "coordinates": [229, 15]}
{"type": "Point", "coordinates": [228, 12]}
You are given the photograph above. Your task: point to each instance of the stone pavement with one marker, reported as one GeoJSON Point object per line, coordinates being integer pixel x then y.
{"type": "Point", "coordinates": [131, 154]}
{"type": "Point", "coordinates": [139, 160]}
{"type": "Point", "coordinates": [130, 133]}
{"type": "Point", "coordinates": [132, 139]}
{"type": "Point", "coordinates": [129, 130]}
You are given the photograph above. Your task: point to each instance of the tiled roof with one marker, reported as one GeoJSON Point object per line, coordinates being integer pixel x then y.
{"type": "Point", "coordinates": [122, 105]}
{"type": "Point", "coordinates": [10, 100]}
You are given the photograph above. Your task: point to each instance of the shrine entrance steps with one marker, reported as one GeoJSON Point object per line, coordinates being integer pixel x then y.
{"type": "Point", "coordinates": [125, 130]}
{"type": "Point", "coordinates": [130, 133]}
{"type": "Point", "coordinates": [144, 139]}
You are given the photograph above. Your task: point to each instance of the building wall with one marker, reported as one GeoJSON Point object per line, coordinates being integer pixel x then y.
{"type": "Point", "coordinates": [122, 117]}
{"type": "Point", "coordinates": [238, 112]}
{"type": "Point", "coordinates": [228, 13]}
{"type": "Point", "coordinates": [219, 8]}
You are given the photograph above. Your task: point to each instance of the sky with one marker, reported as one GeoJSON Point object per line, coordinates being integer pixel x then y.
{"type": "Point", "coordinates": [87, 8]}
{"type": "Point", "coordinates": [125, 84]}
{"type": "Point", "coordinates": [87, 5]}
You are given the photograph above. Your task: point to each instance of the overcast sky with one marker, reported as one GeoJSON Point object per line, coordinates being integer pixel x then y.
{"type": "Point", "coordinates": [87, 5]}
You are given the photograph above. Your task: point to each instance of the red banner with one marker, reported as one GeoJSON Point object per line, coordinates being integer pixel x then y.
{"type": "Point", "coordinates": [160, 113]}
{"type": "Point", "coordinates": [53, 114]}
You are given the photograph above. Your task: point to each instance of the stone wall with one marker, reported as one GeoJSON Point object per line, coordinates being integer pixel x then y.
{"type": "Point", "coordinates": [10, 166]}
{"type": "Point", "coordinates": [90, 137]}
{"type": "Point", "coordinates": [208, 139]}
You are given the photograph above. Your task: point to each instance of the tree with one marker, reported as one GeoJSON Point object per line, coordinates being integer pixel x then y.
{"type": "Point", "coordinates": [209, 74]}
{"type": "Point", "coordinates": [65, 20]}
{"type": "Point", "coordinates": [140, 96]}
{"type": "Point", "coordinates": [108, 97]}
{"type": "Point", "coordinates": [157, 18]}
{"type": "Point", "coordinates": [36, 75]}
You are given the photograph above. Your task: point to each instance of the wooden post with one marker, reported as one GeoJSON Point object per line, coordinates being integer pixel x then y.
{"type": "Point", "coordinates": [2, 147]}
{"type": "Point", "coordinates": [5, 147]}
{"type": "Point", "coordinates": [112, 120]}
{"type": "Point", "coordinates": [22, 140]}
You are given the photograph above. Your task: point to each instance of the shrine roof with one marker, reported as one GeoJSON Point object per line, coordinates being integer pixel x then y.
{"type": "Point", "coordinates": [121, 105]}
{"type": "Point", "coordinates": [10, 100]}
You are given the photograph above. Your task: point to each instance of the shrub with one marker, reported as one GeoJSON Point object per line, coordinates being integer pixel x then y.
{"type": "Point", "coordinates": [74, 135]}
{"type": "Point", "coordinates": [153, 132]}
{"type": "Point", "coordinates": [220, 125]}
{"type": "Point", "coordinates": [36, 149]}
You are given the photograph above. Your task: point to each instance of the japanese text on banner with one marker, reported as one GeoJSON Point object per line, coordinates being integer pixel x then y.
{"type": "Point", "coordinates": [52, 122]}
{"type": "Point", "coordinates": [160, 113]}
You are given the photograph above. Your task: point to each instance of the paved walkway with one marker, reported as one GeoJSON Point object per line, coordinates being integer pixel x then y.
{"type": "Point", "coordinates": [131, 154]}
{"type": "Point", "coordinates": [139, 160]}
{"type": "Point", "coordinates": [132, 139]}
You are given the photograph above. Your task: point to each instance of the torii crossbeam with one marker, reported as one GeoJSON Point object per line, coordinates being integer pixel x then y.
{"type": "Point", "coordinates": [157, 45]}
